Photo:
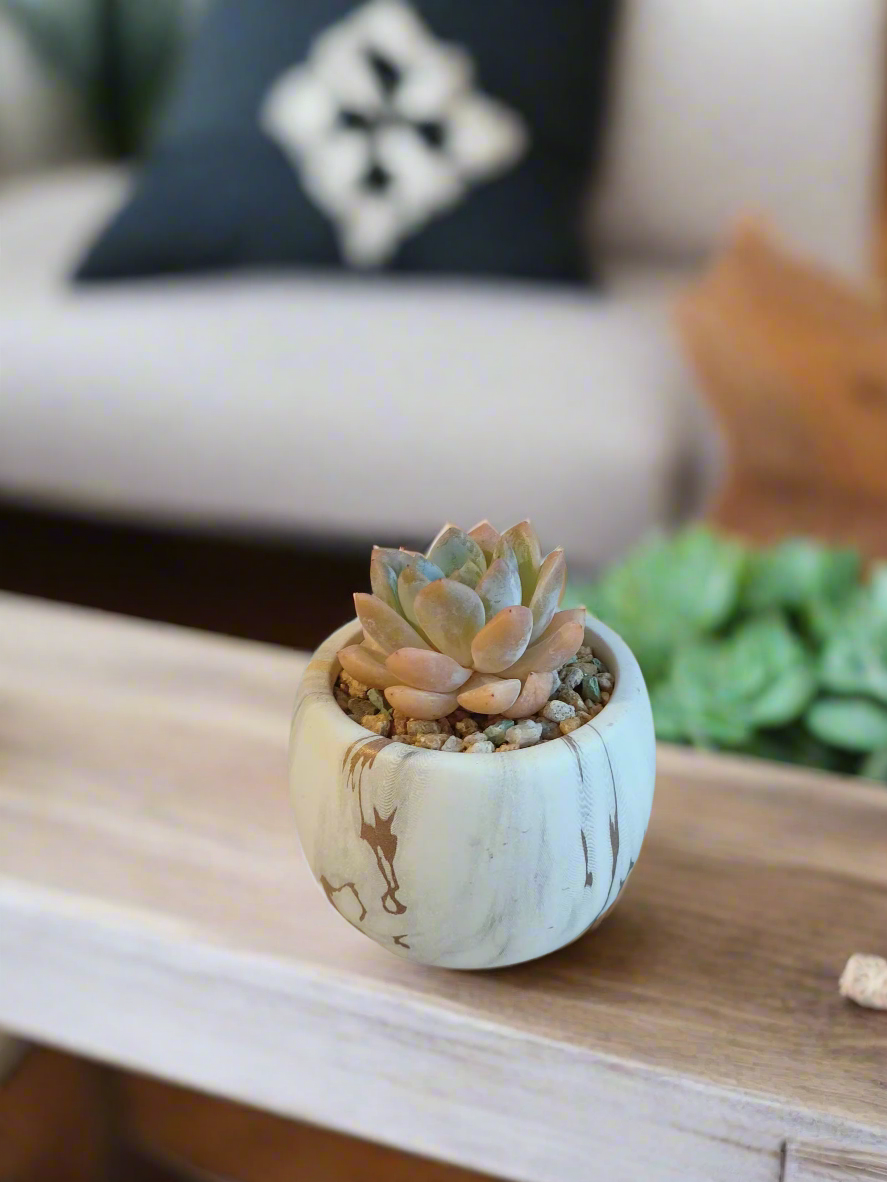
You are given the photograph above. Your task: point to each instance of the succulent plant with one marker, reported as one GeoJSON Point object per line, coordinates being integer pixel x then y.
{"type": "Point", "coordinates": [472, 623]}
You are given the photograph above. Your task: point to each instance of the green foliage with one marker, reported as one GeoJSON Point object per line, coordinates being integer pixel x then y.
{"type": "Point", "coordinates": [854, 724]}
{"type": "Point", "coordinates": [667, 593]}
{"type": "Point", "coordinates": [119, 54]}
{"type": "Point", "coordinates": [64, 32]}
{"type": "Point", "coordinates": [795, 744]}
{"type": "Point", "coordinates": [854, 656]}
{"type": "Point", "coordinates": [779, 652]}
{"type": "Point", "coordinates": [796, 572]}
{"type": "Point", "coordinates": [875, 765]}
{"type": "Point", "coordinates": [723, 690]}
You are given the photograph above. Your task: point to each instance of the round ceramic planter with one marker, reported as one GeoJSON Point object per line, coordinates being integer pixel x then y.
{"type": "Point", "coordinates": [472, 861]}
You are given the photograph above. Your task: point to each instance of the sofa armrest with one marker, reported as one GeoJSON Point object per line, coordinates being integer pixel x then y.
{"type": "Point", "coordinates": [723, 108]}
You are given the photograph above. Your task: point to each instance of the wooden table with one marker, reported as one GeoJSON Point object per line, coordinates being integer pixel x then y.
{"type": "Point", "coordinates": [155, 912]}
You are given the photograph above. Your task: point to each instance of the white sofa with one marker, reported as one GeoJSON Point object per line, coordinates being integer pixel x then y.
{"type": "Point", "coordinates": [334, 405]}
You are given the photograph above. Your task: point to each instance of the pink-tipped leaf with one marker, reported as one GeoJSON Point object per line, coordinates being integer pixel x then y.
{"type": "Point", "coordinates": [501, 641]}
{"type": "Point", "coordinates": [361, 664]}
{"type": "Point", "coordinates": [486, 537]}
{"type": "Point", "coordinates": [500, 586]}
{"type": "Point", "coordinates": [535, 693]}
{"type": "Point", "coordinates": [550, 651]}
{"type": "Point", "coordinates": [452, 548]}
{"type": "Point", "coordinates": [523, 541]}
{"type": "Point", "coordinates": [486, 694]}
{"type": "Point", "coordinates": [425, 669]}
{"type": "Point", "coordinates": [382, 623]}
{"type": "Point", "coordinates": [418, 573]}
{"type": "Point", "coordinates": [451, 615]}
{"type": "Point", "coordinates": [421, 703]}
{"type": "Point", "coordinates": [385, 567]}
{"type": "Point", "coordinates": [549, 589]}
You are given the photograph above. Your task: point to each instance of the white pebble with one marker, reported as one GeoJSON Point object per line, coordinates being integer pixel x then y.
{"type": "Point", "coordinates": [481, 747]}
{"type": "Point", "coordinates": [453, 743]}
{"type": "Point", "coordinates": [557, 711]}
{"type": "Point", "coordinates": [864, 980]}
{"type": "Point", "coordinates": [526, 733]}
{"type": "Point", "coordinates": [474, 737]}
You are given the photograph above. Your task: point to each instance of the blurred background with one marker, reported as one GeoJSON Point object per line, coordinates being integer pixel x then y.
{"type": "Point", "coordinates": [283, 278]}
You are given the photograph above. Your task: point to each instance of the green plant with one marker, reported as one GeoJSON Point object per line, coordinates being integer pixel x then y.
{"type": "Point", "coordinates": [118, 54]}
{"type": "Point", "coordinates": [472, 623]}
{"type": "Point", "coordinates": [779, 651]}
{"type": "Point", "coordinates": [667, 593]}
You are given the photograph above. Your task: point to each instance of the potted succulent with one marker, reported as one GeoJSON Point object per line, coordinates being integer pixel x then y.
{"type": "Point", "coordinates": [472, 768]}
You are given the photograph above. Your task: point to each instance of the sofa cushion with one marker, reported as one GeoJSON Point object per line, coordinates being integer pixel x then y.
{"type": "Point", "coordinates": [337, 405]}
{"type": "Point", "coordinates": [730, 106]}
{"type": "Point", "coordinates": [417, 135]}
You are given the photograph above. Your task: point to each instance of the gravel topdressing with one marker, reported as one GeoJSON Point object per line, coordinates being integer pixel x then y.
{"type": "Point", "coordinates": [583, 688]}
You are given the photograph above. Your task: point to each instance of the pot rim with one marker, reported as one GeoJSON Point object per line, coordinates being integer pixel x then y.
{"type": "Point", "coordinates": [324, 667]}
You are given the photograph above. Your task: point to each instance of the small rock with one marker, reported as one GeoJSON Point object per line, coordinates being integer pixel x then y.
{"type": "Point", "coordinates": [433, 742]}
{"type": "Point", "coordinates": [557, 711]}
{"type": "Point", "coordinates": [550, 730]}
{"type": "Point", "coordinates": [474, 737]}
{"type": "Point", "coordinates": [582, 686]}
{"type": "Point", "coordinates": [571, 698]}
{"type": "Point", "coordinates": [569, 725]}
{"type": "Point", "coordinates": [419, 726]}
{"type": "Point", "coordinates": [481, 747]}
{"type": "Point", "coordinates": [358, 707]}
{"type": "Point", "coordinates": [497, 732]}
{"type": "Point", "coordinates": [380, 723]}
{"type": "Point", "coordinates": [527, 733]}
{"type": "Point", "coordinates": [864, 980]}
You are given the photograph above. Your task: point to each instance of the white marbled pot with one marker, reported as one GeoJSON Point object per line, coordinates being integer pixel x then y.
{"type": "Point", "coordinates": [472, 861]}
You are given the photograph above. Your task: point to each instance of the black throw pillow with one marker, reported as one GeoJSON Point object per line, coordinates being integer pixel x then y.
{"type": "Point", "coordinates": [434, 135]}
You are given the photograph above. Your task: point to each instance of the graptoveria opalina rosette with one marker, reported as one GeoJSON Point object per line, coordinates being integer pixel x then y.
{"type": "Point", "coordinates": [472, 623]}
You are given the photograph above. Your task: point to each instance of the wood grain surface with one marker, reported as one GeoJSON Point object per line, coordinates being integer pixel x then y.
{"type": "Point", "coordinates": [155, 912]}
{"type": "Point", "coordinates": [831, 1163]}
{"type": "Point", "coordinates": [54, 1124]}
{"type": "Point", "coordinates": [179, 1126]}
